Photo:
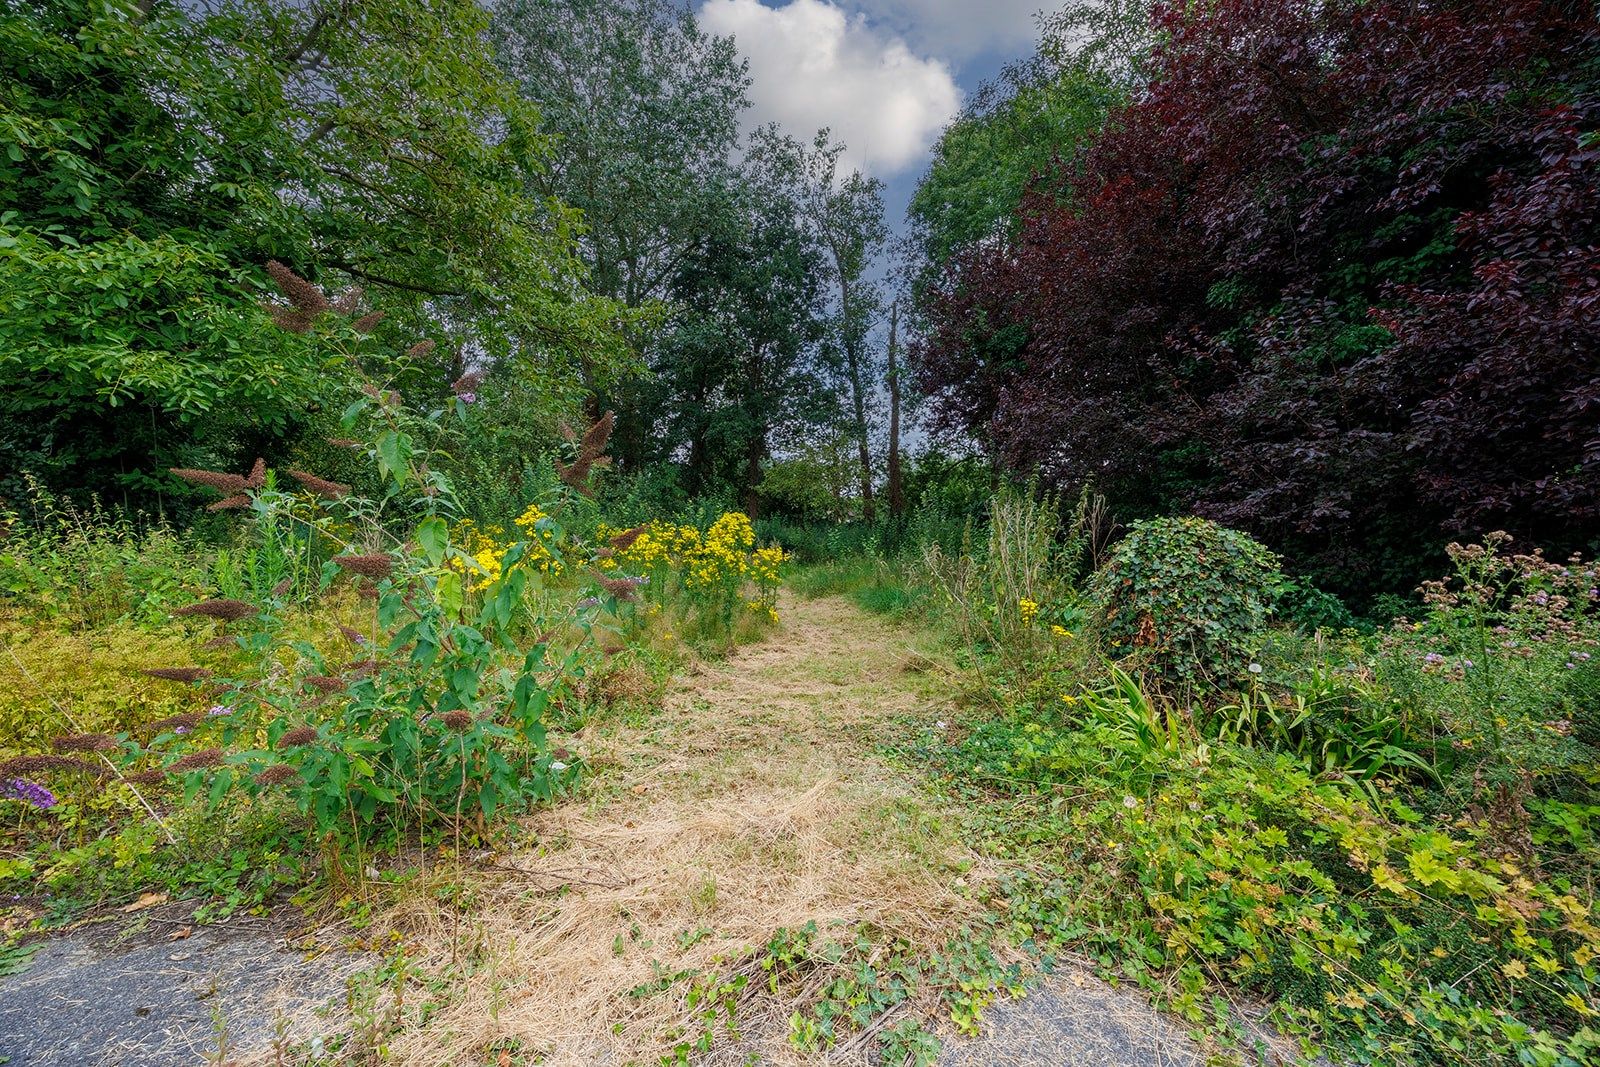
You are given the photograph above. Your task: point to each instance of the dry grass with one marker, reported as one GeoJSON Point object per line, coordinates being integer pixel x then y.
{"type": "Point", "coordinates": [750, 803]}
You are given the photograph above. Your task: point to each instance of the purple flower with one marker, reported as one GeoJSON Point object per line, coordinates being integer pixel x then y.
{"type": "Point", "coordinates": [468, 398]}
{"type": "Point", "coordinates": [27, 792]}
{"type": "Point", "coordinates": [218, 709]}
{"type": "Point", "coordinates": [1466, 664]}
{"type": "Point", "coordinates": [1433, 657]}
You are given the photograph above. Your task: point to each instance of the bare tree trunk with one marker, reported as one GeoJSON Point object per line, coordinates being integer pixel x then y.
{"type": "Point", "coordinates": [895, 488]}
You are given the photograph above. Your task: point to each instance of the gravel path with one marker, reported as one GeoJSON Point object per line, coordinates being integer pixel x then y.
{"type": "Point", "coordinates": [127, 994]}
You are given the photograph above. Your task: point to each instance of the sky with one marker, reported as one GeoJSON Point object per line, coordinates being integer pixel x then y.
{"type": "Point", "coordinates": [884, 75]}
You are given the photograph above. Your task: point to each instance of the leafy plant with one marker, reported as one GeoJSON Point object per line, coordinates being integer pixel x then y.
{"type": "Point", "coordinates": [1185, 596]}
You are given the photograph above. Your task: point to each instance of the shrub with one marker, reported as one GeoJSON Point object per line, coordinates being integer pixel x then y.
{"type": "Point", "coordinates": [1186, 596]}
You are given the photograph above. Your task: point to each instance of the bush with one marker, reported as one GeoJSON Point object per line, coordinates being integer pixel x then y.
{"type": "Point", "coordinates": [1186, 596]}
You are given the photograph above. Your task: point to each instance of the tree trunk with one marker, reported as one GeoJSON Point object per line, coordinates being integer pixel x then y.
{"type": "Point", "coordinates": [895, 489]}
{"type": "Point", "coordinates": [858, 398]}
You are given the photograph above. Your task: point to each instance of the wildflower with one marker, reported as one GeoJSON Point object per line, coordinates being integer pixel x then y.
{"type": "Point", "coordinates": [625, 540]}
{"type": "Point", "coordinates": [368, 322]}
{"type": "Point", "coordinates": [178, 674]}
{"type": "Point", "coordinates": [320, 486]}
{"type": "Point", "coordinates": [1061, 631]}
{"type": "Point", "coordinates": [324, 683]}
{"type": "Point", "coordinates": [467, 384]}
{"type": "Point", "coordinates": [457, 719]}
{"type": "Point", "coordinates": [374, 565]}
{"type": "Point", "coordinates": [298, 737]}
{"type": "Point", "coordinates": [354, 636]}
{"type": "Point", "coordinates": [216, 711]}
{"type": "Point", "coordinates": [28, 792]}
{"type": "Point", "coordinates": [1255, 668]}
{"type": "Point", "coordinates": [420, 349]}
{"type": "Point", "coordinates": [1027, 609]}
{"type": "Point", "coordinates": [467, 398]}
{"type": "Point", "coordinates": [1068, 698]}
{"type": "Point", "coordinates": [591, 449]}
{"type": "Point", "coordinates": [557, 766]}
{"type": "Point", "coordinates": [1130, 802]}
{"type": "Point", "coordinates": [940, 725]}
{"type": "Point", "coordinates": [226, 610]}
{"type": "Point", "coordinates": [231, 503]}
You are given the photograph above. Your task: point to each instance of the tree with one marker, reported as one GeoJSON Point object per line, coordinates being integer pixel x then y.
{"type": "Point", "coordinates": [643, 109]}
{"type": "Point", "coordinates": [846, 213]}
{"type": "Point", "coordinates": [153, 158]}
{"type": "Point", "coordinates": [1323, 278]}
{"type": "Point", "coordinates": [894, 486]}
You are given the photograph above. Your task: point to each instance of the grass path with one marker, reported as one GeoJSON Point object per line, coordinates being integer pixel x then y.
{"type": "Point", "coordinates": [752, 801]}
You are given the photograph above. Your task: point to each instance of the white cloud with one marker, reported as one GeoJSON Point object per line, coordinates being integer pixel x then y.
{"type": "Point", "coordinates": [960, 29]}
{"type": "Point", "coordinates": [813, 65]}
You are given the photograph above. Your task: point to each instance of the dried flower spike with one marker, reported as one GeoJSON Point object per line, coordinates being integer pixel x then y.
{"type": "Point", "coordinates": [226, 484]}
{"type": "Point", "coordinates": [420, 349]}
{"type": "Point", "coordinates": [208, 757]}
{"type": "Point", "coordinates": [320, 486]}
{"type": "Point", "coordinates": [368, 322]}
{"type": "Point", "coordinates": [372, 565]}
{"type": "Point", "coordinates": [84, 743]}
{"type": "Point", "coordinates": [226, 610]}
{"type": "Point", "coordinates": [299, 292]}
{"type": "Point", "coordinates": [178, 674]}
{"type": "Point", "coordinates": [277, 774]}
{"type": "Point", "coordinates": [298, 737]}
{"type": "Point", "coordinates": [624, 540]}
{"type": "Point", "coordinates": [179, 724]}
{"type": "Point", "coordinates": [457, 719]}
{"type": "Point", "coordinates": [324, 683]}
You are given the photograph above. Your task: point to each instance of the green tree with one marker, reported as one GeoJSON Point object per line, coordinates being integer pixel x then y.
{"type": "Point", "coordinates": [846, 212]}
{"type": "Point", "coordinates": [643, 109]}
{"type": "Point", "coordinates": [154, 156]}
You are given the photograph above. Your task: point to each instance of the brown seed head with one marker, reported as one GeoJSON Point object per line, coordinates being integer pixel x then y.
{"type": "Point", "coordinates": [277, 774]}
{"type": "Point", "coordinates": [298, 737]}
{"type": "Point", "coordinates": [368, 322]}
{"type": "Point", "coordinates": [153, 777]}
{"type": "Point", "coordinates": [194, 761]}
{"type": "Point", "coordinates": [179, 723]}
{"type": "Point", "coordinates": [299, 292]}
{"type": "Point", "coordinates": [290, 318]}
{"type": "Point", "coordinates": [373, 565]}
{"type": "Point", "coordinates": [283, 587]}
{"type": "Point", "coordinates": [320, 486]}
{"type": "Point", "coordinates": [226, 484]}
{"type": "Point", "coordinates": [178, 674]}
{"type": "Point", "coordinates": [624, 540]}
{"type": "Point", "coordinates": [420, 349]}
{"type": "Point", "coordinates": [230, 503]}
{"type": "Point", "coordinates": [26, 766]}
{"type": "Point", "coordinates": [457, 719]}
{"type": "Point", "coordinates": [84, 743]}
{"type": "Point", "coordinates": [467, 383]}
{"type": "Point", "coordinates": [344, 442]}
{"type": "Point", "coordinates": [226, 610]}
{"type": "Point", "coordinates": [351, 634]}
{"type": "Point", "coordinates": [324, 683]}
{"type": "Point", "coordinates": [349, 301]}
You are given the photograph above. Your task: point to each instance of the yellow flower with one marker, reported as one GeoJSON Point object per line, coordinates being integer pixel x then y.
{"type": "Point", "coordinates": [1028, 609]}
{"type": "Point", "coordinates": [1514, 969]}
{"type": "Point", "coordinates": [1061, 631]}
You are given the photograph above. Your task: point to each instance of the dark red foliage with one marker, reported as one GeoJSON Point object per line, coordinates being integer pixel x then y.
{"type": "Point", "coordinates": [1333, 276]}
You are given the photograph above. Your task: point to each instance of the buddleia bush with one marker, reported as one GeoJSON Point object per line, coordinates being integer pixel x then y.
{"type": "Point", "coordinates": [1185, 596]}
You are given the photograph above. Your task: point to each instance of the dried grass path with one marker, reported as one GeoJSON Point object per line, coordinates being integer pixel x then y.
{"type": "Point", "coordinates": [753, 800]}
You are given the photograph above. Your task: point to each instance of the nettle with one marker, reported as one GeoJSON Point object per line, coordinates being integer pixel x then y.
{"type": "Point", "coordinates": [1186, 596]}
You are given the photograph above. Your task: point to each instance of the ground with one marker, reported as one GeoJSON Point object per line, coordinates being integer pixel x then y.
{"type": "Point", "coordinates": [756, 799]}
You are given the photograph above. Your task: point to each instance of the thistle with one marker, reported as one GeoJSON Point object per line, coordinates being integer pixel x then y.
{"type": "Point", "coordinates": [178, 674]}
{"type": "Point", "coordinates": [373, 565]}
{"type": "Point", "coordinates": [320, 486]}
{"type": "Point", "coordinates": [226, 610]}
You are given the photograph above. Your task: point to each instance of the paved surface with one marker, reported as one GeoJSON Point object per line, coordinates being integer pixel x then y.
{"type": "Point", "coordinates": [1073, 1019]}
{"type": "Point", "coordinates": [129, 995]}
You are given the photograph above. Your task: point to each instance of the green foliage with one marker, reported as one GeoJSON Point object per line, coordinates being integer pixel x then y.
{"type": "Point", "coordinates": [154, 157]}
{"type": "Point", "coordinates": [1187, 596]}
